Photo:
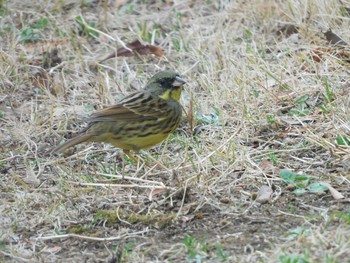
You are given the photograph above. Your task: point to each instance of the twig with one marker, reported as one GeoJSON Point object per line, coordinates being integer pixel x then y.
{"type": "Point", "coordinates": [122, 185]}
{"type": "Point", "coordinates": [15, 257]}
{"type": "Point", "coordinates": [131, 178]}
{"type": "Point", "coordinates": [103, 239]}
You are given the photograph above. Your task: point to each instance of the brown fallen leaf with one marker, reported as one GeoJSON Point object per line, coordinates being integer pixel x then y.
{"type": "Point", "coordinates": [264, 194]}
{"type": "Point", "coordinates": [336, 195]}
{"type": "Point", "coordinates": [136, 48]}
{"type": "Point", "coordinates": [156, 191]}
{"type": "Point", "coordinates": [53, 250]}
{"type": "Point", "coordinates": [188, 218]}
{"type": "Point", "coordinates": [318, 54]}
{"type": "Point", "coordinates": [267, 166]}
{"type": "Point", "coordinates": [119, 3]}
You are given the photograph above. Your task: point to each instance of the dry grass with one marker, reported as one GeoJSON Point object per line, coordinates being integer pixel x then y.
{"type": "Point", "coordinates": [262, 102]}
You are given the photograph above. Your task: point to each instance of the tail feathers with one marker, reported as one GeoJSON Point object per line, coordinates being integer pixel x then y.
{"type": "Point", "coordinates": [76, 140]}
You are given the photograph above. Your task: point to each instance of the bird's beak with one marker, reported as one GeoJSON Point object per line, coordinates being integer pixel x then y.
{"type": "Point", "coordinates": [178, 82]}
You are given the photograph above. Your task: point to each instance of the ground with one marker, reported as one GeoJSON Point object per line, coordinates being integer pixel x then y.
{"type": "Point", "coordinates": [258, 170]}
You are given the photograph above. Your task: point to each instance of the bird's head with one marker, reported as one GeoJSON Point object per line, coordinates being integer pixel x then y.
{"type": "Point", "coordinates": [166, 84]}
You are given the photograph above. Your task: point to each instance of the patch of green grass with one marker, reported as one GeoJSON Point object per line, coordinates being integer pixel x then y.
{"type": "Point", "coordinates": [89, 107]}
{"type": "Point", "coordinates": [3, 8]}
{"type": "Point", "coordinates": [87, 27]}
{"type": "Point", "coordinates": [297, 232]}
{"type": "Point", "coordinates": [128, 8]}
{"type": "Point", "coordinates": [294, 258]}
{"type": "Point", "coordinates": [305, 258]}
{"type": "Point", "coordinates": [271, 119]}
{"type": "Point", "coordinates": [31, 33]}
{"type": "Point", "coordinates": [342, 140]}
{"type": "Point", "coordinates": [123, 251]}
{"type": "Point", "coordinates": [248, 36]}
{"type": "Point", "coordinates": [343, 11]}
{"type": "Point", "coordinates": [177, 138]}
{"type": "Point", "coordinates": [302, 106]}
{"type": "Point", "coordinates": [273, 157]}
{"type": "Point", "coordinates": [202, 250]}
{"type": "Point", "coordinates": [213, 118]}
{"type": "Point", "coordinates": [108, 169]}
{"type": "Point", "coordinates": [191, 243]}
{"type": "Point", "coordinates": [298, 180]}
{"type": "Point", "coordinates": [147, 34]}
{"type": "Point", "coordinates": [2, 245]}
{"type": "Point", "coordinates": [88, 178]}
{"type": "Point", "coordinates": [328, 98]}
{"type": "Point", "coordinates": [255, 93]}
{"type": "Point", "coordinates": [329, 94]}
{"type": "Point", "coordinates": [330, 259]}
{"type": "Point", "coordinates": [176, 43]}
{"type": "Point", "coordinates": [303, 183]}
{"type": "Point", "coordinates": [79, 229]}
{"type": "Point", "coordinates": [222, 255]}
{"type": "Point", "coordinates": [343, 216]}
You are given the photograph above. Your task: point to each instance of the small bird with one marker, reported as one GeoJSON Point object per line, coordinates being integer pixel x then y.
{"type": "Point", "coordinates": [140, 120]}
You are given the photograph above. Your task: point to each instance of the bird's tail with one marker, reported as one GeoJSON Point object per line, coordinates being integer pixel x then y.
{"type": "Point", "coordinates": [76, 140]}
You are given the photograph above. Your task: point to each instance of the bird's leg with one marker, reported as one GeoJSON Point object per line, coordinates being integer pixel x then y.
{"type": "Point", "coordinates": [132, 157]}
{"type": "Point", "coordinates": [127, 152]}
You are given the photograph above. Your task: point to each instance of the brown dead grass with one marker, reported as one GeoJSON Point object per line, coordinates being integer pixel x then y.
{"type": "Point", "coordinates": [76, 208]}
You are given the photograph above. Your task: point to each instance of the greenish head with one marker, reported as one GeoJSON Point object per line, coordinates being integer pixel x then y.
{"type": "Point", "coordinates": [166, 84]}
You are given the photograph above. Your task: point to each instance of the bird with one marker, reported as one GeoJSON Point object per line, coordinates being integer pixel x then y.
{"type": "Point", "coordinates": [140, 120]}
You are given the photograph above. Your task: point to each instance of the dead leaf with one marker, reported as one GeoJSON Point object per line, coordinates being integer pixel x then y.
{"type": "Point", "coordinates": [343, 55]}
{"type": "Point", "coordinates": [53, 250]}
{"type": "Point", "coordinates": [334, 39]}
{"type": "Point", "coordinates": [136, 48]}
{"type": "Point", "coordinates": [318, 54]}
{"type": "Point", "coordinates": [264, 194]}
{"type": "Point", "coordinates": [119, 3]}
{"type": "Point", "coordinates": [336, 195]}
{"type": "Point", "coordinates": [290, 187]}
{"type": "Point", "coordinates": [188, 218]}
{"type": "Point", "coordinates": [225, 200]}
{"type": "Point", "coordinates": [267, 166]}
{"type": "Point", "coordinates": [155, 192]}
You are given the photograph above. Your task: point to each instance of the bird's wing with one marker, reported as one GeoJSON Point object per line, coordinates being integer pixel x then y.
{"type": "Point", "coordinates": [140, 105]}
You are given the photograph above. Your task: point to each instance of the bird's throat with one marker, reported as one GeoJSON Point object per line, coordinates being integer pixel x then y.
{"type": "Point", "coordinates": [174, 94]}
